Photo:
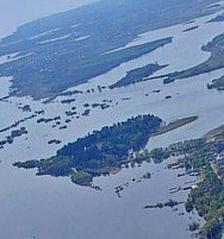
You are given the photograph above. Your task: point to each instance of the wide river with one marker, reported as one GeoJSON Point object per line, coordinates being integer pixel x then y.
{"type": "Point", "coordinates": [54, 208]}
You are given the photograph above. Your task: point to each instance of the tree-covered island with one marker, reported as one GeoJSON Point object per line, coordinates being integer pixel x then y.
{"type": "Point", "coordinates": [100, 152]}
{"type": "Point", "coordinates": [106, 150]}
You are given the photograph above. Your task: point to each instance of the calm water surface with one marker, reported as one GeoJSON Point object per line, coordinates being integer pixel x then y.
{"type": "Point", "coordinates": [54, 208]}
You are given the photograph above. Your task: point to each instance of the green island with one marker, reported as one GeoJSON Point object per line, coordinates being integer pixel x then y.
{"type": "Point", "coordinates": [101, 152]}
{"type": "Point", "coordinates": [203, 157]}
{"type": "Point", "coordinates": [137, 75]}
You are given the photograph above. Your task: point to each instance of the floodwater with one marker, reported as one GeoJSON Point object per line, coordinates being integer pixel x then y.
{"type": "Point", "coordinates": [54, 208]}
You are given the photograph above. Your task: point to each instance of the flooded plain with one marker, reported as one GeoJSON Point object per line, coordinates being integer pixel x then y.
{"type": "Point", "coordinates": [54, 208]}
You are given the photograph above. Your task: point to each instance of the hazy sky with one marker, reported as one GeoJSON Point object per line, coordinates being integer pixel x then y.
{"type": "Point", "coordinates": [16, 12]}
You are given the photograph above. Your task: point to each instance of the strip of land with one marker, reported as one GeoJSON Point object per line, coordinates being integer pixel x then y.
{"type": "Point", "coordinates": [138, 75]}
{"type": "Point", "coordinates": [175, 125]}
{"type": "Point", "coordinates": [215, 62]}
{"type": "Point", "coordinates": [190, 29]}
